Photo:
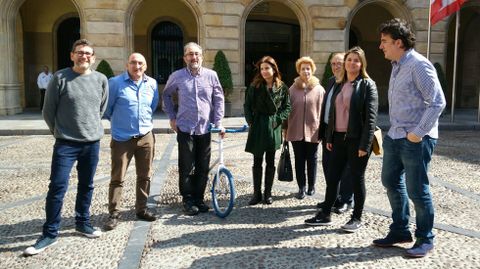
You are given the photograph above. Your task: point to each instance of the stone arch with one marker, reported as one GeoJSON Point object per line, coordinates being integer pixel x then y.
{"type": "Point", "coordinates": [304, 20]}
{"type": "Point", "coordinates": [130, 18]}
{"type": "Point", "coordinates": [377, 12]}
{"type": "Point", "coordinates": [10, 85]}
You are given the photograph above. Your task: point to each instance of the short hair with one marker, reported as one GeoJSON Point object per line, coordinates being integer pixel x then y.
{"type": "Point", "coordinates": [191, 44]}
{"type": "Point", "coordinates": [82, 42]}
{"type": "Point", "coordinates": [305, 60]}
{"type": "Point", "coordinates": [399, 29]}
{"type": "Point", "coordinates": [340, 53]}
{"type": "Point", "coordinates": [363, 59]}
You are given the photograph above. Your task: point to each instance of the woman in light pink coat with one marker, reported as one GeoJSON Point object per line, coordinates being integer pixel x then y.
{"type": "Point", "coordinates": [306, 97]}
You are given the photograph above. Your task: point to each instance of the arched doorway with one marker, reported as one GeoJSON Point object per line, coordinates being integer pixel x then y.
{"type": "Point", "coordinates": [468, 61]}
{"type": "Point", "coordinates": [363, 33]}
{"type": "Point", "coordinates": [167, 50]}
{"type": "Point", "coordinates": [160, 29]}
{"type": "Point", "coordinates": [67, 33]}
{"type": "Point", "coordinates": [45, 30]}
{"type": "Point", "coordinates": [272, 29]}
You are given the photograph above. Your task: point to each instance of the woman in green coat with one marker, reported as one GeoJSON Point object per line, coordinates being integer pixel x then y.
{"type": "Point", "coordinates": [267, 105]}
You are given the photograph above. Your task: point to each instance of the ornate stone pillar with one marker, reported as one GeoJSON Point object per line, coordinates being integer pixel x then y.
{"type": "Point", "coordinates": [9, 83]}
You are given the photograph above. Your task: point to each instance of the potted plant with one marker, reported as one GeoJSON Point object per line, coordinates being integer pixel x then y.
{"type": "Point", "coordinates": [328, 73]}
{"type": "Point", "coordinates": [220, 65]}
{"type": "Point", "coordinates": [104, 68]}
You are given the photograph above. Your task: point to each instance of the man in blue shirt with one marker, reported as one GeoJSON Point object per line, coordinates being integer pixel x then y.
{"type": "Point", "coordinates": [200, 102]}
{"type": "Point", "coordinates": [133, 99]}
{"type": "Point", "coordinates": [416, 101]}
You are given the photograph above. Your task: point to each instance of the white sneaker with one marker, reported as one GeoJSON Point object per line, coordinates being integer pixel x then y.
{"type": "Point", "coordinates": [42, 243]}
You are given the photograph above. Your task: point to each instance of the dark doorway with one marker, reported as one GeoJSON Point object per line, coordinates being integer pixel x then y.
{"type": "Point", "coordinates": [68, 32]}
{"type": "Point", "coordinates": [276, 39]}
{"type": "Point", "coordinates": [468, 61]}
{"type": "Point", "coordinates": [167, 50]}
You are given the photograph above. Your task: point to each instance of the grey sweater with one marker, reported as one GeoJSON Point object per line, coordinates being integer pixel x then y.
{"type": "Point", "coordinates": [74, 105]}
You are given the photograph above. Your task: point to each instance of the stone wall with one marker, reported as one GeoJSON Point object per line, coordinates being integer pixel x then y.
{"type": "Point", "coordinates": [216, 25]}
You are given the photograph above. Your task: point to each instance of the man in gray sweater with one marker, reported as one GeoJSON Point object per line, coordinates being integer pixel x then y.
{"type": "Point", "coordinates": [75, 101]}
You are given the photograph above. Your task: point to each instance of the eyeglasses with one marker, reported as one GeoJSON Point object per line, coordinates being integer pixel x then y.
{"type": "Point", "coordinates": [86, 53]}
{"type": "Point", "coordinates": [136, 63]}
{"type": "Point", "coordinates": [191, 54]}
{"type": "Point", "coordinates": [336, 64]}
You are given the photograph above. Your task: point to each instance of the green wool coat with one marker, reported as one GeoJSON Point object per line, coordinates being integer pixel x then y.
{"type": "Point", "coordinates": [265, 111]}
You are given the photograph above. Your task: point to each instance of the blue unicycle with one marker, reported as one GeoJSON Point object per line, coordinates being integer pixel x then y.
{"type": "Point", "coordinates": [223, 186]}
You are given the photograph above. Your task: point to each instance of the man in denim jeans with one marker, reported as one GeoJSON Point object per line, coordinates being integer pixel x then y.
{"type": "Point", "coordinates": [75, 101]}
{"type": "Point", "coordinates": [416, 101]}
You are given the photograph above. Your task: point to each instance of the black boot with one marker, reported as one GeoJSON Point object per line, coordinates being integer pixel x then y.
{"type": "Point", "coordinates": [257, 185]}
{"type": "Point", "coordinates": [269, 176]}
{"type": "Point", "coordinates": [301, 193]}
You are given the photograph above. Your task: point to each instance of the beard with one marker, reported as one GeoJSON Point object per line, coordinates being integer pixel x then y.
{"type": "Point", "coordinates": [194, 65]}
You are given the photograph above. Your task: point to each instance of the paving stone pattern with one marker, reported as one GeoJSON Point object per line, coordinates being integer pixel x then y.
{"type": "Point", "coordinates": [258, 236]}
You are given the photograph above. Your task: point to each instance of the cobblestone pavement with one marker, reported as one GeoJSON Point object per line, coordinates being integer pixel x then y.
{"type": "Point", "coordinates": [259, 236]}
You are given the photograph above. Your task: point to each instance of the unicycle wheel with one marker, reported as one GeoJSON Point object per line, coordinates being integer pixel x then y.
{"type": "Point", "coordinates": [223, 193]}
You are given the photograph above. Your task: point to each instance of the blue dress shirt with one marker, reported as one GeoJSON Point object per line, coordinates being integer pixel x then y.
{"type": "Point", "coordinates": [415, 97]}
{"type": "Point", "coordinates": [131, 105]}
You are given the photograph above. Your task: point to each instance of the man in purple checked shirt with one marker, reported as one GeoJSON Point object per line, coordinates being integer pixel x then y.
{"type": "Point", "coordinates": [200, 102]}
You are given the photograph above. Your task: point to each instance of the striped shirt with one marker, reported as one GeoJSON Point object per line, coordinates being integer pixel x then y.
{"type": "Point", "coordinates": [415, 97]}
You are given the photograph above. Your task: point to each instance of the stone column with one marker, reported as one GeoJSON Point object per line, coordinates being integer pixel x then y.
{"type": "Point", "coordinates": [104, 25]}
{"type": "Point", "coordinates": [222, 33]}
{"type": "Point", "coordinates": [9, 83]}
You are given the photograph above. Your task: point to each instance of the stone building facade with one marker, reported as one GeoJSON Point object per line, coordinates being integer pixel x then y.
{"type": "Point", "coordinates": [36, 33]}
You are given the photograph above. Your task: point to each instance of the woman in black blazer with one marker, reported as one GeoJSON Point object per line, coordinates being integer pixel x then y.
{"type": "Point", "coordinates": [349, 135]}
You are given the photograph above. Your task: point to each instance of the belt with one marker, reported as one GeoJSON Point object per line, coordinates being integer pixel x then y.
{"type": "Point", "coordinates": [139, 136]}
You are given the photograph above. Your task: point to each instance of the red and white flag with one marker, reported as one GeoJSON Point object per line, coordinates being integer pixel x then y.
{"type": "Point", "coordinates": [443, 8]}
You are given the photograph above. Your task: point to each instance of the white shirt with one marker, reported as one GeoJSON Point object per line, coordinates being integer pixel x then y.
{"type": "Point", "coordinates": [43, 80]}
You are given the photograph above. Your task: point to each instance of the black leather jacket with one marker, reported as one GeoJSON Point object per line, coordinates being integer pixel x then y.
{"type": "Point", "coordinates": [362, 115]}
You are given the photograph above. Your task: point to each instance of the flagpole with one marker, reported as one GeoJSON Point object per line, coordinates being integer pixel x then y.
{"type": "Point", "coordinates": [478, 109]}
{"type": "Point", "coordinates": [429, 28]}
{"type": "Point", "coordinates": [457, 26]}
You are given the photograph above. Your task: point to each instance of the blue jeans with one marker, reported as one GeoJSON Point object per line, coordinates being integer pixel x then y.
{"type": "Point", "coordinates": [65, 153]}
{"type": "Point", "coordinates": [404, 175]}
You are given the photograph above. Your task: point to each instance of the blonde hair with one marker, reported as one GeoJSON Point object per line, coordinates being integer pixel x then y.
{"type": "Point", "coordinates": [361, 54]}
{"type": "Point", "coordinates": [305, 60]}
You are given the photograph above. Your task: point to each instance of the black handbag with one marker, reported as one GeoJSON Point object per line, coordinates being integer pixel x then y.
{"type": "Point", "coordinates": [284, 168]}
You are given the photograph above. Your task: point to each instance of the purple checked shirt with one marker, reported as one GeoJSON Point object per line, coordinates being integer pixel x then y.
{"type": "Point", "coordinates": [200, 100]}
{"type": "Point", "coordinates": [415, 97]}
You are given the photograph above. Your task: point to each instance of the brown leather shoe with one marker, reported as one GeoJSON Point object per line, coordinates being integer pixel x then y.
{"type": "Point", "coordinates": [146, 216]}
{"type": "Point", "coordinates": [111, 223]}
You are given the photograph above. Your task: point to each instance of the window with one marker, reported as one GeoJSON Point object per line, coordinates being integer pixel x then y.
{"type": "Point", "coordinates": [167, 50]}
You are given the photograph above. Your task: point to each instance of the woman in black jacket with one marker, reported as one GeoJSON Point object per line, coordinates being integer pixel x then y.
{"type": "Point", "coordinates": [349, 136]}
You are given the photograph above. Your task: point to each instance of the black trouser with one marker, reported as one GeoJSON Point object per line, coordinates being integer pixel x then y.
{"type": "Point", "coordinates": [42, 97]}
{"type": "Point", "coordinates": [269, 159]}
{"type": "Point", "coordinates": [194, 153]}
{"type": "Point", "coordinates": [345, 152]}
{"type": "Point", "coordinates": [345, 195]}
{"type": "Point", "coordinates": [305, 152]}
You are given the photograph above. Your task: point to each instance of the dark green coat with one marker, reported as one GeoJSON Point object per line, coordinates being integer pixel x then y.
{"type": "Point", "coordinates": [265, 111]}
